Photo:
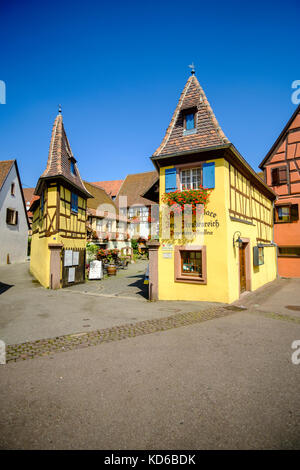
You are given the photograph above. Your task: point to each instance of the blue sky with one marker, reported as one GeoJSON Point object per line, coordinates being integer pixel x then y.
{"type": "Point", "coordinates": [119, 67]}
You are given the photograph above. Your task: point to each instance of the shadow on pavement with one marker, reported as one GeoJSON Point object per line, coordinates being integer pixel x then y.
{"type": "Point", "coordinates": [4, 287]}
{"type": "Point", "coordinates": [139, 283]}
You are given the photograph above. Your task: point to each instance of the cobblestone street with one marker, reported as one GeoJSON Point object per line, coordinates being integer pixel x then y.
{"type": "Point", "coordinates": [28, 312]}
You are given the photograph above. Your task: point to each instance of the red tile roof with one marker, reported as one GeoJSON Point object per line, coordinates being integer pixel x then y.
{"type": "Point", "coordinates": [5, 167]}
{"type": "Point", "coordinates": [135, 185]}
{"type": "Point", "coordinates": [60, 157]}
{"type": "Point", "coordinates": [208, 132]}
{"type": "Point", "coordinates": [29, 197]}
{"type": "Point", "coordinates": [110, 187]}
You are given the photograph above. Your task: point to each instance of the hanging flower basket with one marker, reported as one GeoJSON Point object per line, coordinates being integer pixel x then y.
{"type": "Point", "coordinates": [178, 199]}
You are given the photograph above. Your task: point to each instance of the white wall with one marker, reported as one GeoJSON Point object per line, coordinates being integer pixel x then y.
{"type": "Point", "coordinates": [13, 238]}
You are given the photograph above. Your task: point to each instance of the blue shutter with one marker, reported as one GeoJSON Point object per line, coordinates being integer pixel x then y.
{"type": "Point", "coordinates": [170, 180]}
{"type": "Point", "coordinates": [208, 170]}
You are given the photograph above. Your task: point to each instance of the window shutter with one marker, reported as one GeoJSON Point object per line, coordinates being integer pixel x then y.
{"type": "Point", "coordinates": [170, 180]}
{"type": "Point", "coordinates": [16, 218]}
{"type": "Point", "coordinates": [275, 176]}
{"type": "Point", "coordinates": [208, 171]}
{"type": "Point", "coordinates": [294, 212]}
{"type": "Point", "coordinates": [282, 174]}
{"type": "Point", "coordinates": [255, 256]}
{"type": "Point", "coordinates": [8, 216]}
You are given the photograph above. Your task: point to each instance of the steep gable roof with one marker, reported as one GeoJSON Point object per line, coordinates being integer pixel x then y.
{"type": "Point", "coordinates": [110, 187]}
{"type": "Point", "coordinates": [207, 134]}
{"type": "Point", "coordinates": [293, 123]}
{"type": "Point", "coordinates": [135, 185]}
{"type": "Point", "coordinates": [5, 167]}
{"type": "Point", "coordinates": [60, 157]}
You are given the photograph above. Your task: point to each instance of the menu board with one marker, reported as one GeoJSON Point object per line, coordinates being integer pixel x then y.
{"type": "Point", "coordinates": [96, 271]}
{"type": "Point", "coordinates": [68, 261]}
{"type": "Point", "coordinates": [71, 275]}
{"type": "Point", "coordinates": [75, 258]}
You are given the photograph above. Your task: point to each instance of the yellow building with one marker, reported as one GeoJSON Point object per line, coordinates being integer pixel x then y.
{"type": "Point", "coordinates": [232, 250]}
{"type": "Point", "coordinates": [59, 217]}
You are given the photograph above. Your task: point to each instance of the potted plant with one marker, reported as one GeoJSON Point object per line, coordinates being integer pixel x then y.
{"type": "Point", "coordinates": [112, 256]}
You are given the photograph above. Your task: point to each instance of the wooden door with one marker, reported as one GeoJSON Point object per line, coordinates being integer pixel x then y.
{"type": "Point", "coordinates": [242, 256]}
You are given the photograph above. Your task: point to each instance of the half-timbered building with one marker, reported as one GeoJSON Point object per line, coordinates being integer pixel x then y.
{"type": "Point", "coordinates": [59, 217]}
{"type": "Point", "coordinates": [281, 168]}
{"type": "Point", "coordinates": [232, 250]}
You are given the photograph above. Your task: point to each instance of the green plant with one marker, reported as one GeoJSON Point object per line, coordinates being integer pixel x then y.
{"type": "Point", "coordinates": [134, 246]}
{"type": "Point", "coordinates": [91, 250]}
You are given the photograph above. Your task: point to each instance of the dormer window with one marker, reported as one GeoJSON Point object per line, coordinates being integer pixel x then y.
{"type": "Point", "coordinates": [72, 167]}
{"type": "Point", "coordinates": [189, 122]}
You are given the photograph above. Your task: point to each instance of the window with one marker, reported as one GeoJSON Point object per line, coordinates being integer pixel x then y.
{"type": "Point", "coordinates": [42, 202]}
{"type": "Point", "coordinates": [99, 224]}
{"type": "Point", "coordinates": [191, 179]}
{"type": "Point", "coordinates": [190, 264]}
{"type": "Point", "coordinates": [72, 167]}
{"type": "Point", "coordinates": [258, 255]}
{"type": "Point", "coordinates": [74, 203]}
{"type": "Point", "coordinates": [286, 214]}
{"type": "Point", "coordinates": [289, 251]}
{"type": "Point", "coordinates": [11, 217]}
{"type": "Point", "coordinates": [189, 122]}
{"type": "Point", "coordinates": [12, 189]}
{"type": "Point", "coordinates": [279, 175]}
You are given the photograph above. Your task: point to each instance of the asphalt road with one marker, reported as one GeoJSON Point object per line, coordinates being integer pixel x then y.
{"type": "Point", "coordinates": [227, 383]}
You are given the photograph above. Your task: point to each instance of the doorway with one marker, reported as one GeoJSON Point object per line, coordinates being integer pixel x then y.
{"type": "Point", "coordinates": [244, 266]}
{"type": "Point", "coordinates": [242, 255]}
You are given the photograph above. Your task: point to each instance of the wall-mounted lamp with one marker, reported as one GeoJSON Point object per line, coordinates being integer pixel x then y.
{"type": "Point", "coordinates": [237, 241]}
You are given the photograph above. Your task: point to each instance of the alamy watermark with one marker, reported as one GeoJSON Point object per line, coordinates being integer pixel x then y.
{"type": "Point", "coordinates": [296, 94]}
{"type": "Point", "coordinates": [296, 354]}
{"type": "Point", "coordinates": [2, 92]}
{"type": "Point", "coordinates": [2, 352]}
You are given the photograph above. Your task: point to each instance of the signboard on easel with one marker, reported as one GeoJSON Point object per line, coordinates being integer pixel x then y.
{"type": "Point", "coordinates": [96, 270]}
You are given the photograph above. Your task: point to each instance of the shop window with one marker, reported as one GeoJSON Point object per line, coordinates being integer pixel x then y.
{"type": "Point", "coordinates": [190, 264]}
{"type": "Point", "coordinates": [289, 251]}
{"type": "Point", "coordinates": [286, 214]}
{"type": "Point", "coordinates": [74, 203]}
{"type": "Point", "coordinates": [279, 175]}
{"type": "Point", "coordinates": [11, 217]}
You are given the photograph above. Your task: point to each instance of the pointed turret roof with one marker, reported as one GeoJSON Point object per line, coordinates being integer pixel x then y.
{"type": "Point", "coordinates": [60, 157]}
{"type": "Point", "coordinates": [208, 132]}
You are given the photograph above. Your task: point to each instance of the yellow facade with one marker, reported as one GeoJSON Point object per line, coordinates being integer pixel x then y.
{"type": "Point", "coordinates": [237, 206]}
{"type": "Point", "coordinates": [55, 225]}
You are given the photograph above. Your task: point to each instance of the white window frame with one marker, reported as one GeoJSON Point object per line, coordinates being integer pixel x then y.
{"type": "Point", "coordinates": [189, 173]}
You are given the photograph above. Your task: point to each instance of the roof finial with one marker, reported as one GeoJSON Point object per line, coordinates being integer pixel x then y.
{"type": "Point", "coordinates": [59, 109]}
{"type": "Point", "coordinates": [192, 67]}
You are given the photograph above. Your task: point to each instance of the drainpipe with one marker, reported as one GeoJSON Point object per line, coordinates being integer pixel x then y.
{"type": "Point", "coordinates": [275, 244]}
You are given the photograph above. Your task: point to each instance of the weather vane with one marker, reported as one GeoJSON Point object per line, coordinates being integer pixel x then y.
{"type": "Point", "coordinates": [192, 67]}
{"type": "Point", "coordinates": [59, 108]}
